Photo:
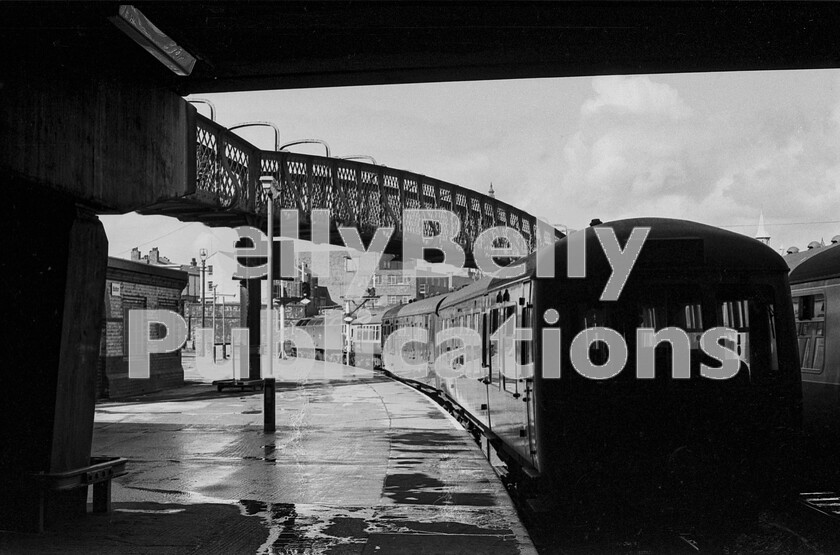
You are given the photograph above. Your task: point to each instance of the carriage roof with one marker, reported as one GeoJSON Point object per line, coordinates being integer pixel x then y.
{"type": "Point", "coordinates": [823, 265]}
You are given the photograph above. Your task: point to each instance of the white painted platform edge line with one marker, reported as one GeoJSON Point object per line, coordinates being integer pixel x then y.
{"type": "Point", "coordinates": [449, 417]}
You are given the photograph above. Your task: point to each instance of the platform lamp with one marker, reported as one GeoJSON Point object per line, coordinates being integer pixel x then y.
{"type": "Point", "coordinates": [269, 185]}
{"type": "Point", "coordinates": [202, 253]}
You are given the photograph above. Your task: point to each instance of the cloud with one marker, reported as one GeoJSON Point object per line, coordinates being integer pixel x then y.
{"type": "Point", "coordinates": [638, 95]}
{"type": "Point", "coordinates": [638, 149]}
{"type": "Point", "coordinates": [835, 112]}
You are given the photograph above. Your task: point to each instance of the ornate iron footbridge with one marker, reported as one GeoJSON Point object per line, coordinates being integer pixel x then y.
{"type": "Point", "coordinates": [357, 194]}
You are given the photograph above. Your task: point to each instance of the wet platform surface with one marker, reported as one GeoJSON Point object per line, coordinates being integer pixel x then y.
{"type": "Point", "coordinates": [358, 464]}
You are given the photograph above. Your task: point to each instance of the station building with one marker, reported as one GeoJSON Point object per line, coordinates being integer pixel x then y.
{"type": "Point", "coordinates": [137, 285]}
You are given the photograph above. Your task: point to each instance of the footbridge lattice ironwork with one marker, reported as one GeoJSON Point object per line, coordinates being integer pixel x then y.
{"type": "Point", "coordinates": [357, 194]}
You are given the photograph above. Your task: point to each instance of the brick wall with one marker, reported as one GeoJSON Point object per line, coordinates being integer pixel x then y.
{"type": "Point", "coordinates": [135, 285]}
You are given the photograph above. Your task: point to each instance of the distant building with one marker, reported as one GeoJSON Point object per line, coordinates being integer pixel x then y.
{"type": "Point", "coordinates": [192, 291]}
{"type": "Point", "coordinates": [227, 311]}
{"type": "Point", "coordinates": [392, 285]}
{"type": "Point", "coordinates": [794, 257]}
{"type": "Point", "coordinates": [137, 285]}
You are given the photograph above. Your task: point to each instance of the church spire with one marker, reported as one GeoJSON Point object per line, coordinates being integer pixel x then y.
{"type": "Point", "coordinates": [491, 193]}
{"type": "Point", "coordinates": [761, 233]}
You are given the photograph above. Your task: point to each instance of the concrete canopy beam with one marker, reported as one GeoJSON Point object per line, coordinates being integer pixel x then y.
{"type": "Point", "coordinates": [113, 145]}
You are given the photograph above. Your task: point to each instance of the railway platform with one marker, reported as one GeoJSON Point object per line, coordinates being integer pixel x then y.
{"type": "Point", "coordinates": [359, 464]}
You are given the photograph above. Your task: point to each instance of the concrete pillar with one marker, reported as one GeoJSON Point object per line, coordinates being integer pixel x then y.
{"type": "Point", "coordinates": [53, 262]}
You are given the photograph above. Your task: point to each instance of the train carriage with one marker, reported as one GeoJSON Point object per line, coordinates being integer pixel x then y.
{"type": "Point", "coordinates": [642, 432]}
{"type": "Point", "coordinates": [317, 337]}
{"type": "Point", "coordinates": [366, 339]}
{"type": "Point", "coordinates": [815, 285]}
{"type": "Point", "coordinates": [414, 325]}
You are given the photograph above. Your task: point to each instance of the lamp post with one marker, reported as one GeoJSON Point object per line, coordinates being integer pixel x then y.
{"type": "Point", "coordinates": [224, 331]}
{"type": "Point", "coordinates": [214, 321]}
{"type": "Point", "coordinates": [203, 254]}
{"type": "Point", "coordinates": [282, 321]}
{"type": "Point", "coordinates": [269, 185]}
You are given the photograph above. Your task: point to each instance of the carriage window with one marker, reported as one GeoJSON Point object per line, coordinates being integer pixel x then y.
{"type": "Point", "coordinates": [598, 350]}
{"type": "Point", "coordinates": [810, 329]}
{"type": "Point", "coordinates": [735, 315]}
{"type": "Point", "coordinates": [649, 318]}
{"type": "Point", "coordinates": [774, 350]}
{"type": "Point", "coordinates": [495, 352]}
{"type": "Point", "coordinates": [753, 319]}
{"type": "Point", "coordinates": [765, 350]}
{"type": "Point", "coordinates": [690, 317]}
{"type": "Point", "coordinates": [524, 347]}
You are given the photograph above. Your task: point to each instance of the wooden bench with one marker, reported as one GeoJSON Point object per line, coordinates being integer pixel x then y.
{"type": "Point", "coordinates": [98, 474]}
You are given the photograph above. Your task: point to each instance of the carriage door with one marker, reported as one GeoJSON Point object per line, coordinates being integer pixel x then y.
{"type": "Point", "coordinates": [526, 358]}
{"type": "Point", "coordinates": [810, 329]}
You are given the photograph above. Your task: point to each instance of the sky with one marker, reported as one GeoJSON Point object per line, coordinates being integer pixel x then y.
{"type": "Point", "coordinates": [717, 148]}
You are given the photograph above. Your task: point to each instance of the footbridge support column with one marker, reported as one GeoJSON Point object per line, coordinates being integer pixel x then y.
{"type": "Point", "coordinates": [53, 265]}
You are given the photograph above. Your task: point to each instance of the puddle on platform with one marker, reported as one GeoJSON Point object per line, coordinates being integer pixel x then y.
{"type": "Point", "coordinates": [419, 488]}
{"type": "Point", "coordinates": [157, 490]}
{"type": "Point", "coordinates": [307, 528]}
{"type": "Point", "coordinates": [280, 520]}
{"type": "Point", "coordinates": [151, 511]}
